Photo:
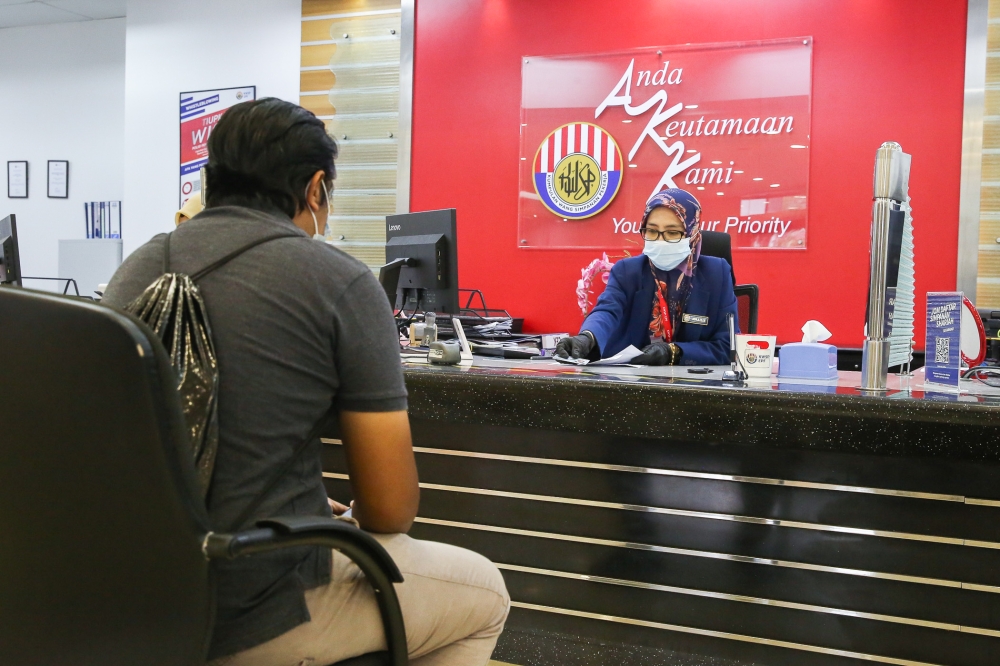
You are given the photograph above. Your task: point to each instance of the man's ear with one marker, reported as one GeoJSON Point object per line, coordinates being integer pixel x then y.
{"type": "Point", "coordinates": [316, 191]}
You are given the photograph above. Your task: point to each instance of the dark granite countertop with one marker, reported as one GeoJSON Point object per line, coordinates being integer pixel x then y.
{"type": "Point", "coordinates": [671, 403]}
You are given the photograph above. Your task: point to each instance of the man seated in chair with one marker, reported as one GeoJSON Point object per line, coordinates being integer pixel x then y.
{"type": "Point", "coordinates": [300, 329]}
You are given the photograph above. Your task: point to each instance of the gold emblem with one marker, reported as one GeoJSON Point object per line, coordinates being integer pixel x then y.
{"type": "Point", "coordinates": [576, 178]}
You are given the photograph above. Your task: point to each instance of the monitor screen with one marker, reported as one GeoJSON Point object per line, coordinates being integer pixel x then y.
{"type": "Point", "coordinates": [430, 281]}
{"type": "Point", "coordinates": [10, 260]}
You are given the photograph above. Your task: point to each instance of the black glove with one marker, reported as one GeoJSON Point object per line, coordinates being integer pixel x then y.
{"type": "Point", "coordinates": [659, 353]}
{"type": "Point", "coordinates": [578, 346]}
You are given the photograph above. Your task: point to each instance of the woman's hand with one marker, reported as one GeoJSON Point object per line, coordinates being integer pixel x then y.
{"type": "Point", "coordinates": [577, 346]}
{"type": "Point", "coordinates": [659, 353]}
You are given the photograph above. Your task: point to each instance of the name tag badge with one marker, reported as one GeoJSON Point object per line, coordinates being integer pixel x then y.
{"type": "Point", "coordinates": [700, 320]}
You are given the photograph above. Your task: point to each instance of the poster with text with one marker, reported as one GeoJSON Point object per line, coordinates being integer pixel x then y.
{"type": "Point", "coordinates": [944, 338]}
{"type": "Point", "coordinates": [602, 133]}
{"type": "Point", "coordinates": [200, 111]}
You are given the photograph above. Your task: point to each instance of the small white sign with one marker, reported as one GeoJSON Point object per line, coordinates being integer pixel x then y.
{"type": "Point", "coordinates": [17, 180]}
{"type": "Point", "coordinates": [58, 179]}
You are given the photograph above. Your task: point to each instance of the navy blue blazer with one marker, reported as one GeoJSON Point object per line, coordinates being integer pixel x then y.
{"type": "Point", "coordinates": [623, 312]}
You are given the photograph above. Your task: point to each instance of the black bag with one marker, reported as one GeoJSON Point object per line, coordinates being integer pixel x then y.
{"type": "Point", "coordinates": [172, 306]}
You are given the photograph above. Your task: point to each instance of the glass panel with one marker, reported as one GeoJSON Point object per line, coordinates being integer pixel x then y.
{"type": "Point", "coordinates": [728, 122]}
{"type": "Point", "coordinates": [356, 101]}
{"type": "Point", "coordinates": [989, 229]}
{"type": "Point", "coordinates": [358, 228]}
{"type": "Point", "coordinates": [375, 177]}
{"type": "Point", "coordinates": [353, 53]}
{"type": "Point", "coordinates": [351, 203]}
{"type": "Point", "coordinates": [992, 69]}
{"type": "Point", "coordinates": [355, 67]}
{"type": "Point", "coordinates": [989, 199]}
{"type": "Point", "coordinates": [363, 127]}
{"type": "Point", "coordinates": [377, 76]}
{"type": "Point", "coordinates": [989, 263]}
{"type": "Point", "coordinates": [323, 7]}
{"type": "Point", "coordinates": [382, 151]}
{"type": "Point", "coordinates": [991, 167]}
{"type": "Point", "coordinates": [361, 28]}
{"type": "Point", "coordinates": [987, 292]}
{"type": "Point", "coordinates": [991, 128]}
{"type": "Point", "coordinates": [318, 104]}
{"type": "Point", "coordinates": [316, 80]}
{"type": "Point", "coordinates": [365, 28]}
{"type": "Point", "coordinates": [988, 272]}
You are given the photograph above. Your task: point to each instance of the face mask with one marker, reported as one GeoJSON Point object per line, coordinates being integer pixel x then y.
{"type": "Point", "coordinates": [329, 211]}
{"type": "Point", "coordinates": [667, 256]}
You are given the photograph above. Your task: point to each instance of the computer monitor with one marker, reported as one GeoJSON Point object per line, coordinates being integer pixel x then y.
{"type": "Point", "coordinates": [428, 280]}
{"type": "Point", "coordinates": [10, 259]}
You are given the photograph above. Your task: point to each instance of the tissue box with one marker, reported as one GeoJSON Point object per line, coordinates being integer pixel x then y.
{"type": "Point", "coordinates": [807, 360]}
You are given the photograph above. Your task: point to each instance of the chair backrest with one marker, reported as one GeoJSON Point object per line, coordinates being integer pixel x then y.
{"type": "Point", "coordinates": [746, 307]}
{"type": "Point", "coordinates": [718, 244]}
{"type": "Point", "coordinates": [101, 559]}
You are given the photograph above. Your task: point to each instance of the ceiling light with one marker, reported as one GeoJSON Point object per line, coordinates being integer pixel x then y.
{"type": "Point", "coordinates": [719, 193]}
{"type": "Point", "coordinates": [758, 179]}
{"type": "Point", "coordinates": [716, 162]}
{"type": "Point", "coordinates": [691, 106]}
{"type": "Point", "coordinates": [795, 145]}
{"type": "Point", "coordinates": [776, 185]}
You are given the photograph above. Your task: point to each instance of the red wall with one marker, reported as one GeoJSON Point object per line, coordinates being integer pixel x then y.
{"type": "Point", "coordinates": [882, 70]}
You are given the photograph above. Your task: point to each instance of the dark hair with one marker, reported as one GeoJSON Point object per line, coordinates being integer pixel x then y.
{"type": "Point", "coordinates": [262, 154]}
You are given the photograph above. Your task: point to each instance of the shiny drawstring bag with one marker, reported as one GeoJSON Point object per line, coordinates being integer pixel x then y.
{"type": "Point", "coordinates": [172, 306]}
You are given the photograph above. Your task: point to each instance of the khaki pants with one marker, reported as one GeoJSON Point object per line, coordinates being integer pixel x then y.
{"type": "Point", "coordinates": [454, 605]}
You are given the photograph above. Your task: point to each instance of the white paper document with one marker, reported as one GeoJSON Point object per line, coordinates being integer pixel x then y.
{"type": "Point", "coordinates": [624, 357]}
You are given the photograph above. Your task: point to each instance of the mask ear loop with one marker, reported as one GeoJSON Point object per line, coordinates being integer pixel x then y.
{"type": "Point", "coordinates": [329, 205]}
{"type": "Point", "coordinates": [317, 235]}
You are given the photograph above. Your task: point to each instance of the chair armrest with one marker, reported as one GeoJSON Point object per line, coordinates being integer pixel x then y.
{"type": "Point", "coordinates": [367, 553]}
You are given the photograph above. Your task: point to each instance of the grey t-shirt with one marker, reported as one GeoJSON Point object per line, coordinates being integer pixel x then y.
{"type": "Point", "coordinates": [299, 327]}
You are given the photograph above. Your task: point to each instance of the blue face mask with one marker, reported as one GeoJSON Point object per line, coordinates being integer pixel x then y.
{"type": "Point", "coordinates": [667, 256]}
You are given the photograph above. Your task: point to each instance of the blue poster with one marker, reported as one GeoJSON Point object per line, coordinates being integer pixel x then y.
{"type": "Point", "coordinates": [944, 336]}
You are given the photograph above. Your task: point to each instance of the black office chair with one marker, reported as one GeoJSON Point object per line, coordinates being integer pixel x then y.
{"type": "Point", "coordinates": [106, 550]}
{"type": "Point", "coordinates": [719, 244]}
{"type": "Point", "coordinates": [746, 307]}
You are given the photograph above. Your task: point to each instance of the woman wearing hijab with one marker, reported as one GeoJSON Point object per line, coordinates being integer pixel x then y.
{"type": "Point", "coordinates": [671, 302]}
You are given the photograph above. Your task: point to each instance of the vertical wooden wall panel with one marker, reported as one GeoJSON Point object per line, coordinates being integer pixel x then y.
{"type": "Point", "coordinates": [350, 79]}
{"type": "Point", "coordinates": [988, 278]}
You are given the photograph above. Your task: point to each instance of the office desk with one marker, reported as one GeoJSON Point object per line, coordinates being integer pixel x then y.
{"type": "Point", "coordinates": [649, 515]}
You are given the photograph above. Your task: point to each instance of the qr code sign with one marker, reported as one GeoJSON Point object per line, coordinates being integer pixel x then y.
{"type": "Point", "coordinates": [942, 350]}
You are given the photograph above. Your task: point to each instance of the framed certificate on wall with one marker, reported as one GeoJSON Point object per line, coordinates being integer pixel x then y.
{"type": "Point", "coordinates": [17, 179]}
{"type": "Point", "coordinates": [58, 179]}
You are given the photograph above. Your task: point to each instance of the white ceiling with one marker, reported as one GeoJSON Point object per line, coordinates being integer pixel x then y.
{"type": "Point", "coordinates": [16, 13]}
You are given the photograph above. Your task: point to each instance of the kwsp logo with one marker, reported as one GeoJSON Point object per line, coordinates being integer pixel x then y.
{"type": "Point", "coordinates": [577, 170]}
{"type": "Point", "coordinates": [755, 357]}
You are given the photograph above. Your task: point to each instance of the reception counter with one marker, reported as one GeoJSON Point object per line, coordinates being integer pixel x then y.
{"type": "Point", "coordinates": [652, 515]}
